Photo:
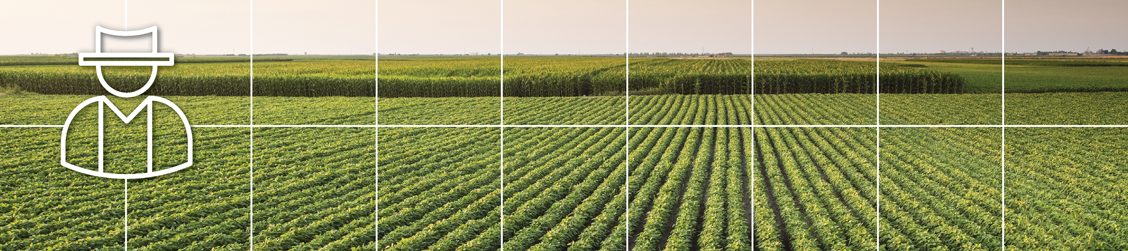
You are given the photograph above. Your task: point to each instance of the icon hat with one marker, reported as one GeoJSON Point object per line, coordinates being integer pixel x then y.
{"type": "Point", "coordinates": [158, 58]}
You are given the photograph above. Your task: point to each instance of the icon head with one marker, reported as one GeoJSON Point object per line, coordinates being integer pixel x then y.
{"type": "Point", "coordinates": [153, 58]}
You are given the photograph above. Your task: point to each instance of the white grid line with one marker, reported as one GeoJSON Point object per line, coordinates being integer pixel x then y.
{"type": "Point", "coordinates": [752, 120]}
{"type": "Point", "coordinates": [502, 126]}
{"type": "Point", "coordinates": [501, 117]}
{"type": "Point", "coordinates": [627, 146]}
{"type": "Point", "coordinates": [126, 214]}
{"type": "Point", "coordinates": [251, 55]}
{"type": "Point", "coordinates": [377, 140]}
{"type": "Point", "coordinates": [877, 118]}
{"type": "Point", "coordinates": [1003, 121]}
{"type": "Point", "coordinates": [126, 243]}
{"type": "Point", "coordinates": [621, 126]}
{"type": "Point", "coordinates": [31, 126]}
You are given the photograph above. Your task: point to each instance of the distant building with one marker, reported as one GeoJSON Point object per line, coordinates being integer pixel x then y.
{"type": "Point", "coordinates": [723, 54]}
{"type": "Point", "coordinates": [1061, 54]}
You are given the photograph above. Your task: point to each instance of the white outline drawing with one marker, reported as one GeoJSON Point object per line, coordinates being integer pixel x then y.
{"type": "Point", "coordinates": [99, 30]}
{"type": "Point", "coordinates": [146, 104]}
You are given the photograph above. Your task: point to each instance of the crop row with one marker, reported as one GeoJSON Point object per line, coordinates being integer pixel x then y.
{"type": "Point", "coordinates": [582, 188]}
{"type": "Point", "coordinates": [479, 77]}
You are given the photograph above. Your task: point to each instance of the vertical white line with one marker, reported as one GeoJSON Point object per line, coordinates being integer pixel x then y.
{"type": "Point", "coordinates": [1003, 114]}
{"type": "Point", "coordinates": [252, 122]}
{"type": "Point", "coordinates": [752, 121]}
{"type": "Point", "coordinates": [377, 133]}
{"type": "Point", "coordinates": [149, 126]}
{"type": "Point", "coordinates": [627, 146]}
{"type": "Point", "coordinates": [127, 214]}
{"type": "Point", "coordinates": [376, 55]}
{"type": "Point", "coordinates": [101, 133]}
{"type": "Point", "coordinates": [125, 14]}
{"type": "Point", "coordinates": [501, 140]}
{"type": "Point", "coordinates": [878, 121]}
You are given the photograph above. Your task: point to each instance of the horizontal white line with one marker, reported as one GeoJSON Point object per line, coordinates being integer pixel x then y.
{"type": "Point", "coordinates": [168, 59]}
{"type": "Point", "coordinates": [621, 126]}
{"type": "Point", "coordinates": [666, 126]}
{"type": "Point", "coordinates": [4, 126]}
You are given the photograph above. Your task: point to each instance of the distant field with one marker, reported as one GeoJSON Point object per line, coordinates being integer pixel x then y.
{"type": "Point", "coordinates": [1035, 75]}
{"type": "Point", "coordinates": [781, 109]}
{"type": "Point", "coordinates": [1062, 62]}
{"type": "Point", "coordinates": [312, 76]}
{"type": "Point", "coordinates": [479, 77]}
{"type": "Point", "coordinates": [981, 77]}
{"type": "Point", "coordinates": [73, 60]}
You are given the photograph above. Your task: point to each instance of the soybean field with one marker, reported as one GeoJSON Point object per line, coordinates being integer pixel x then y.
{"type": "Point", "coordinates": [694, 158]}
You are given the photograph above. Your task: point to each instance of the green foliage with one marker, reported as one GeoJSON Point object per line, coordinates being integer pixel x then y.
{"type": "Point", "coordinates": [692, 76]}
{"type": "Point", "coordinates": [1063, 188]}
{"type": "Point", "coordinates": [478, 77]}
{"type": "Point", "coordinates": [1045, 79]}
{"type": "Point", "coordinates": [1032, 75]}
{"type": "Point", "coordinates": [1085, 62]}
{"type": "Point", "coordinates": [834, 76]}
{"type": "Point", "coordinates": [688, 188]}
{"type": "Point", "coordinates": [980, 78]}
{"type": "Point", "coordinates": [11, 90]}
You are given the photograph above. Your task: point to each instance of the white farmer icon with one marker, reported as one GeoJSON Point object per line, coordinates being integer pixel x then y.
{"type": "Point", "coordinates": [158, 59]}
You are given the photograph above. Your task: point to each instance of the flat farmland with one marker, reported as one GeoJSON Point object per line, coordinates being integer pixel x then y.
{"type": "Point", "coordinates": [565, 173]}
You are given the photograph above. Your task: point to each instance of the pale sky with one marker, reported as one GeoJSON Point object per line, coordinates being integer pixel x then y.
{"type": "Point", "coordinates": [566, 26]}
{"type": "Point", "coordinates": [821, 26]}
{"type": "Point", "coordinates": [691, 26]}
{"type": "Point", "coordinates": [1034, 25]}
{"type": "Point", "coordinates": [834, 26]}
{"type": "Point", "coordinates": [440, 26]}
{"type": "Point", "coordinates": [933, 25]}
{"type": "Point", "coordinates": [193, 26]}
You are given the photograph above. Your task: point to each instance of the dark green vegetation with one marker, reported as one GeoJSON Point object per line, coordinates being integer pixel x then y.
{"type": "Point", "coordinates": [299, 201]}
{"type": "Point", "coordinates": [280, 78]}
{"type": "Point", "coordinates": [1035, 75]}
{"type": "Point", "coordinates": [835, 76]}
{"type": "Point", "coordinates": [1065, 188]}
{"type": "Point", "coordinates": [565, 76]}
{"type": "Point", "coordinates": [1083, 62]}
{"type": "Point", "coordinates": [784, 109]}
{"type": "Point", "coordinates": [477, 77]}
{"type": "Point", "coordinates": [690, 188]}
{"type": "Point", "coordinates": [816, 188]}
{"type": "Point", "coordinates": [439, 187]}
{"type": "Point", "coordinates": [980, 77]}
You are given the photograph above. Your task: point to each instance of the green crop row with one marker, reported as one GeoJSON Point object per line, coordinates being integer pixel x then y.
{"type": "Point", "coordinates": [834, 76]}
{"type": "Point", "coordinates": [481, 77]}
{"type": "Point", "coordinates": [582, 188]}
